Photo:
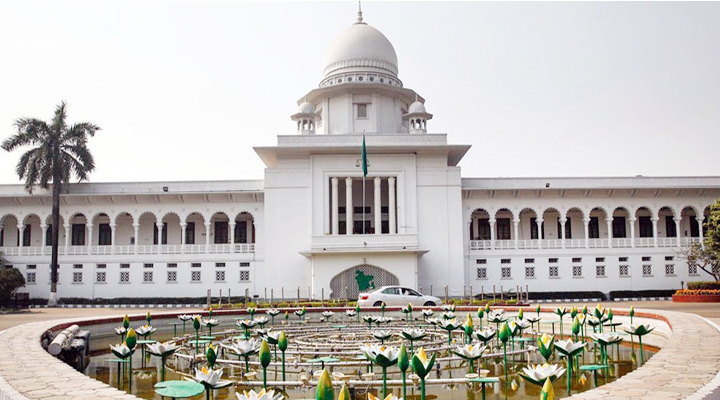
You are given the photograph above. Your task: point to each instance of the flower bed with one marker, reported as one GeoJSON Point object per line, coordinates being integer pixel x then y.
{"type": "Point", "coordinates": [696, 296]}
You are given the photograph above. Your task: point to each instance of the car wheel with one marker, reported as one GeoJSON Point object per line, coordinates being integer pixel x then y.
{"type": "Point", "coordinates": [377, 304]}
{"type": "Point", "coordinates": [429, 304]}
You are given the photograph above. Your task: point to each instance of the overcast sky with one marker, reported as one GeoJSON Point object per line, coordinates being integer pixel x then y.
{"type": "Point", "coordinates": [183, 91]}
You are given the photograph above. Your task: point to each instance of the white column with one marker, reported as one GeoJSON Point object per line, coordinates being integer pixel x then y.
{"type": "Point", "coordinates": [391, 204]}
{"type": "Point", "coordinates": [654, 220]}
{"type": "Point", "coordinates": [609, 229]}
{"type": "Point", "coordinates": [516, 236]}
{"type": "Point", "coordinates": [539, 222]}
{"type": "Point", "coordinates": [562, 220]}
{"type": "Point", "coordinates": [491, 221]}
{"type": "Point", "coordinates": [68, 227]}
{"type": "Point", "coordinates": [43, 228]}
{"type": "Point", "coordinates": [21, 230]}
{"type": "Point", "coordinates": [677, 231]}
{"type": "Point", "coordinates": [159, 228]}
{"type": "Point", "coordinates": [90, 236]}
{"type": "Point", "coordinates": [476, 225]}
{"type": "Point", "coordinates": [137, 236]}
{"type": "Point", "coordinates": [632, 231]}
{"type": "Point", "coordinates": [334, 206]}
{"type": "Point", "coordinates": [586, 221]}
{"type": "Point", "coordinates": [112, 238]}
{"type": "Point", "coordinates": [377, 208]}
{"type": "Point", "coordinates": [249, 230]}
{"type": "Point", "coordinates": [231, 227]}
{"type": "Point", "coordinates": [700, 230]}
{"type": "Point", "coordinates": [349, 219]}
{"type": "Point", "coordinates": [183, 227]}
{"type": "Point", "coordinates": [208, 225]}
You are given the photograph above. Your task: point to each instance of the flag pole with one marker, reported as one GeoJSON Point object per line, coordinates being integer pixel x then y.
{"type": "Point", "coordinates": [364, 164]}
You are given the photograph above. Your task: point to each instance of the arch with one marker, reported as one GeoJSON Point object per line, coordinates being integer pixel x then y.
{"type": "Point", "coordinates": [197, 216]}
{"type": "Point", "coordinates": [551, 209]}
{"type": "Point", "coordinates": [479, 224]}
{"type": "Point", "coordinates": [667, 208]}
{"type": "Point", "coordinates": [170, 214]}
{"type": "Point", "coordinates": [528, 209]}
{"type": "Point", "coordinates": [644, 210]}
{"type": "Point", "coordinates": [30, 215]}
{"type": "Point", "coordinates": [48, 220]}
{"type": "Point", "coordinates": [684, 210]}
{"type": "Point", "coordinates": [244, 229]}
{"type": "Point", "coordinates": [146, 215]}
{"type": "Point", "coordinates": [219, 216]}
{"type": "Point", "coordinates": [505, 210]}
{"type": "Point", "coordinates": [241, 216]}
{"type": "Point", "coordinates": [77, 215]}
{"type": "Point", "coordinates": [598, 209]}
{"type": "Point", "coordinates": [360, 278]}
{"type": "Point", "coordinates": [575, 210]}
{"type": "Point", "coordinates": [99, 215]}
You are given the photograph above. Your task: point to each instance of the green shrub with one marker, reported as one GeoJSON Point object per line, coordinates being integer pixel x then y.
{"type": "Point", "coordinates": [625, 294]}
{"type": "Point", "coordinates": [703, 285]}
{"type": "Point", "coordinates": [11, 279]}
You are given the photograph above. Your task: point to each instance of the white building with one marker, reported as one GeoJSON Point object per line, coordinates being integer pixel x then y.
{"type": "Point", "coordinates": [303, 228]}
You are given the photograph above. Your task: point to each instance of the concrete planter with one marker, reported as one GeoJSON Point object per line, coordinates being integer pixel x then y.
{"type": "Point", "coordinates": [701, 298]}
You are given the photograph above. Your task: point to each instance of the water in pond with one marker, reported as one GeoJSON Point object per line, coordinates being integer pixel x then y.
{"type": "Point", "coordinates": [342, 341]}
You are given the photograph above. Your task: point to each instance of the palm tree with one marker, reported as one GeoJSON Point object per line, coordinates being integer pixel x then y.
{"type": "Point", "coordinates": [57, 152]}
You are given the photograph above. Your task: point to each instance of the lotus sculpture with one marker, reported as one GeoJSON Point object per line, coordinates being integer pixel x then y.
{"type": "Point", "coordinates": [639, 331]}
{"type": "Point", "coordinates": [538, 374]}
{"type": "Point", "coordinates": [403, 364]}
{"type": "Point", "coordinates": [246, 324]}
{"type": "Point", "coordinates": [273, 312]}
{"type": "Point", "coordinates": [261, 395]}
{"type": "Point", "coordinates": [569, 349]}
{"type": "Point", "coordinates": [252, 311]}
{"type": "Point", "coordinates": [470, 353]}
{"type": "Point", "coordinates": [383, 357]}
{"type": "Point", "coordinates": [162, 350]}
{"type": "Point", "coordinates": [210, 323]}
{"type": "Point", "coordinates": [422, 365]}
{"type": "Point", "coordinates": [546, 346]}
{"type": "Point", "coordinates": [382, 335]}
{"type": "Point", "coordinates": [261, 320]}
{"type": "Point", "coordinates": [604, 340]}
{"type": "Point", "coordinates": [408, 309]}
{"type": "Point", "coordinates": [561, 311]}
{"type": "Point", "coordinates": [210, 378]}
{"type": "Point", "coordinates": [449, 325]}
{"type": "Point", "coordinates": [245, 348]}
{"type": "Point", "coordinates": [485, 335]}
{"type": "Point", "coordinates": [327, 315]}
{"type": "Point", "coordinates": [412, 335]}
{"type": "Point", "coordinates": [184, 318]}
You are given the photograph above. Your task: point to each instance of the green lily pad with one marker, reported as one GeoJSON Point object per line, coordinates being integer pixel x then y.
{"type": "Point", "coordinates": [178, 389]}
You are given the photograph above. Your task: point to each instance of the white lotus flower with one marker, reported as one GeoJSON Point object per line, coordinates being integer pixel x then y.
{"type": "Point", "coordinates": [381, 354]}
{"type": "Point", "coordinates": [327, 314]}
{"type": "Point", "coordinates": [211, 377]}
{"type": "Point", "coordinates": [245, 323]}
{"type": "Point", "coordinates": [382, 335]}
{"type": "Point", "coordinates": [210, 322]}
{"type": "Point", "coordinates": [448, 314]}
{"type": "Point", "coordinates": [370, 318]}
{"type": "Point", "coordinates": [522, 324]}
{"type": "Point", "coordinates": [272, 312]}
{"type": "Point", "coordinates": [497, 316]}
{"type": "Point", "coordinates": [449, 324]}
{"type": "Point", "coordinates": [434, 321]}
{"type": "Point", "coordinates": [145, 330]}
{"type": "Point", "coordinates": [350, 313]}
{"type": "Point", "coordinates": [263, 331]}
{"type": "Point", "coordinates": [537, 374]}
{"type": "Point", "coordinates": [385, 320]}
{"type": "Point", "coordinates": [568, 347]}
{"type": "Point", "coordinates": [245, 347]}
{"type": "Point", "coordinates": [448, 307]}
{"type": "Point", "coordinates": [162, 349]}
{"type": "Point", "coordinates": [532, 320]}
{"type": "Point", "coordinates": [485, 335]}
{"type": "Point", "coordinates": [261, 320]}
{"type": "Point", "coordinates": [184, 317]}
{"type": "Point", "coordinates": [426, 312]}
{"type": "Point", "coordinates": [121, 330]}
{"type": "Point", "coordinates": [121, 350]}
{"type": "Point", "coordinates": [412, 334]}
{"type": "Point", "coordinates": [273, 337]}
{"type": "Point", "coordinates": [261, 395]}
{"type": "Point", "coordinates": [606, 338]}
{"type": "Point", "coordinates": [469, 351]}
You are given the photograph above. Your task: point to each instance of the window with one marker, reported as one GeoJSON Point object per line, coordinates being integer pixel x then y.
{"type": "Point", "coordinates": [172, 276]}
{"type": "Point", "coordinates": [190, 233]}
{"type": "Point", "coordinates": [244, 276]}
{"type": "Point", "coordinates": [646, 227]}
{"type": "Point", "coordinates": [600, 270]}
{"type": "Point", "coordinates": [164, 233]}
{"type": "Point", "coordinates": [77, 277]}
{"type": "Point", "coordinates": [31, 266]}
{"type": "Point", "coordinates": [195, 276]}
{"type": "Point", "coordinates": [30, 278]}
{"type": "Point", "coordinates": [553, 260]}
{"type": "Point", "coordinates": [147, 276]}
{"type": "Point", "coordinates": [172, 265]}
{"type": "Point", "coordinates": [481, 261]}
{"type": "Point", "coordinates": [647, 270]}
{"type": "Point", "coordinates": [104, 235]}
{"type": "Point", "coordinates": [219, 276]}
{"type": "Point", "coordinates": [503, 229]}
{"type": "Point", "coordinates": [529, 261]}
{"type": "Point", "coordinates": [147, 265]}
{"type": "Point", "coordinates": [101, 266]}
{"type": "Point", "coordinates": [669, 258]}
{"type": "Point", "coordinates": [124, 277]}
{"type": "Point", "coordinates": [219, 265]}
{"type": "Point", "coordinates": [670, 230]}
{"type": "Point", "coordinates": [27, 234]}
{"type": "Point", "coordinates": [78, 234]}
{"type": "Point", "coordinates": [481, 273]}
{"type": "Point", "coordinates": [505, 261]}
{"type": "Point", "coordinates": [529, 272]}
{"type": "Point", "coordinates": [594, 228]}
{"type": "Point", "coordinates": [599, 259]}
{"type": "Point", "coordinates": [534, 228]}
{"type": "Point", "coordinates": [362, 110]}
{"type": "Point", "coordinates": [124, 265]}
{"type": "Point", "coordinates": [221, 232]}
{"type": "Point", "coordinates": [624, 270]}
{"type": "Point", "coordinates": [670, 270]}
{"type": "Point", "coordinates": [623, 259]}
{"type": "Point", "coordinates": [505, 273]}
{"type": "Point", "coordinates": [195, 265]}
{"type": "Point", "coordinates": [568, 229]}
{"type": "Point", "coordinates": [241, 232]}
{"type": "Point", "coordinates": [554, 272]}
{"type": "Point", "coordinates": [692, 270]}
{"type": "Point", "coordinates": [646, 258]}
{"type": "Point", "coordinates": [100, 276]}
{"type": "Point", "coordinates": [359, 210]}
{"type": "Point", "coordinates": [244, 264]}
{"type": "Point", "coordinates": [577, 259]}
{"type": "Point", "coordinates": [577, 271]}
{"type": "Point", "coordinates": [48, 236]}
{"type": "Point", "coordinates": [483, 232]}
{"type": "Point", "coordinates": [77, 266]}
{"type": "Point", "coordinates": [619, 227]}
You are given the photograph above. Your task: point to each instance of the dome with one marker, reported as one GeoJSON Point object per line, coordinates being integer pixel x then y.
{"type": "Point", "coordinates": [417, 108]}
{"type": "Point", "coordinates": [306, 108]}
{"type": "Point", "coordinates": [360, 48]}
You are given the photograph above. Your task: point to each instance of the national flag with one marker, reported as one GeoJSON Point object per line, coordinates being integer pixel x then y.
{"type": "Point", "coordinates": [363, 156]}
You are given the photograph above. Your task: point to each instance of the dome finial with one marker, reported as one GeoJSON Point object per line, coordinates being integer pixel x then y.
{"type": "Point", "coordinates": [360, 17]}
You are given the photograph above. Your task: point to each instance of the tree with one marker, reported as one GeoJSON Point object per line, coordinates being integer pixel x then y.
{"type": "Point", "coordinates": [707, 256]}
{"type": "Point", "coordinates": [10, 280]}
{"type": "Point", "coordinates": [58, 151]}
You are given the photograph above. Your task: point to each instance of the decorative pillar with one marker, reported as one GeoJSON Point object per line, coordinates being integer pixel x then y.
{"type": "Point", "coordinates": [476, 225]}
{"type": "Point", "coordinates": [208, 225]}
{"type": "Point", "coordinates": [67, 237]}
{"type": "Point", "coordinates": [112, 238]}
{"type": "Point", "coordinates": [43, 229]}
{"type": "Point", "coordinates": [249, 230]}
{"type": "Point", "coordinates": [391, 204]}
{"type": "Point", "coordinates": [516, 236]}
{"type": "Point", "coordinates": [183, 227]}
{"type": "Point", "coordinates": [349, 219]}
{"type": "Point", "coordinates": [609, 229]}
{"type": "Point", "coordinates": [539, 223]}
{"type": "Point", "coordinates": [377, 209]}
{"type": "Point", "coordinates": [334, 206]}
{"type": "Point", "coordinates": [21, 230]}
{"type": "Point", "coordinates": [586, 222]}
{"type": "Point", "coordinates": [563, 221]}
{"type": "Point", "coordinates": [491, 221]}
{"type": "Point", "coordinates": [137, 236]}
{"type": "Point", "coordinates": [700, 230]}
{"type": "Point", "coordinates": [90, 236]}
{"type": "Point", "coordinates": [654, 220]}
{"type": "Point", "coordinates": [632, 231]}
{"type": "Point", "coordinates": [231, 228]}
{"type": "Point", "coordinates": [677, 231]}
{"type": "Point", "coordinates": [160, 232]}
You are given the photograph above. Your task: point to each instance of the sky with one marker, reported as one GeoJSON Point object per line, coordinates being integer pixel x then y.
{"type": "Point", "coordinates": [185, 90]}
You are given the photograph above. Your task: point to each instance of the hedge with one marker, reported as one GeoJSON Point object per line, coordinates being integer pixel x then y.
{"type": "Point", "coordinates": [628, 294]}
{"type": "Point", "coordinates": [565, 295]}
{"type": "Point", "coordinates": [703, 285]}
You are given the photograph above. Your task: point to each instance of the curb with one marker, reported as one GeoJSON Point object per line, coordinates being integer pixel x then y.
{"type": "Point", "coordinates": [124, 306]}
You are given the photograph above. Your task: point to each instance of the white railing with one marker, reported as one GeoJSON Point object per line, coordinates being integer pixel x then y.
{"type": "Point", "coordinates": [147, 249]}
{"type": "Point", "coordinates": [686, 241]}
{"type": "Point", "coordinates": [574, 243]}
{"type": "Point", "coordinates": [528, 244]}
{"type": "Point", "coordinates": [221, 248]}
{"type": "Point", "coordinates": [356, 242]}
{"type": "Point", "coordinates": [667, 242]}
{"type": "Point", "coordinates": [101, 250]}
{"type": "Point", "coordinates": [244, 248]}
{"type": "Point", "coordinates": [644, 242]}
{"type": "Point", "coordinates": [76, 250]}
{"type": "Point", "coordinates": [125, 249]}
{"type": "Point", "coordinates": [480, 245]}
{"type": "Point", "coordinates": [552, 244]}
{"type": "Point", "coordinates": [504, 244]}
{"type": "Point", "coordinates": [598, 243]}
{"type": "Point", "coordinates": [621, 243]}
{"type": "Point", "coordinates": [194, 249]}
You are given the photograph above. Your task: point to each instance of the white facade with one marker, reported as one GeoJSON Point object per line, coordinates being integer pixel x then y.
{"type": "Point", "coordinates": [304, 228]}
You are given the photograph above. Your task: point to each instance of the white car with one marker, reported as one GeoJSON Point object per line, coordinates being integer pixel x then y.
{"type": "Point", "coordinates": [396, 296]}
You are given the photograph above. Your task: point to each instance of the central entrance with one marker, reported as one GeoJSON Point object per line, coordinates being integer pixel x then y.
{"type": "Point", "coordinates": [360, 278]}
